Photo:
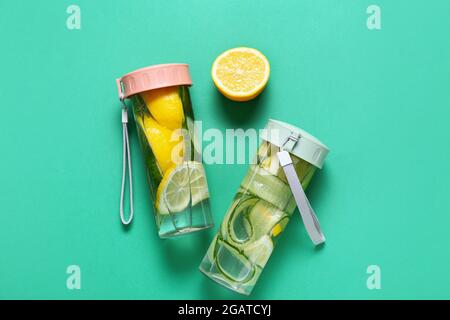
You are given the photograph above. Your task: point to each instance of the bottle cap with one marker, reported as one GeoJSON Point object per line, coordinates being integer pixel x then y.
{"type": "Point", "coordinates": [153, 77]}
{"type": "Point", "coordinates": [297, 141]}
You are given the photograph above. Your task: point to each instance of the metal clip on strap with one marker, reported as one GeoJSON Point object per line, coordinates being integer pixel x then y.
{"type": "Point", "coordinates": [306, 211]}
{"type": "Point", "coordinates": [126, 159]}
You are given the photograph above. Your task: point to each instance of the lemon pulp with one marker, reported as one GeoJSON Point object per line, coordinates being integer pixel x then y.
{"type": "Point", "coordinates": [241, 74]}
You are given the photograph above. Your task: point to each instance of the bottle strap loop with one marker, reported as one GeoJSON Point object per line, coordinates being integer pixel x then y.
{"type": "Point", "coordinates": [307, 213]}
{"type": "Point", "coordinates": [126, 163]}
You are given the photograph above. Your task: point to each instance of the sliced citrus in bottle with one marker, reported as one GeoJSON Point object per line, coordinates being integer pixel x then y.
{"type": "Point", "coordinates": [241, 74]}
{"type": "Point", "coordinates": [162, 141]}
{"type": "Point", "coordinates": [173, 192]}
{"type": "Point", "coordinates": [160, 203]}
{"type": "Point", "coordinates": [179, 185]}
{"type": "Point", "coordinates": [165, 106]}
{"type": "Point", "coordinates": [279, 227]}
{"type": "Point", "coordinates": [199, 186]}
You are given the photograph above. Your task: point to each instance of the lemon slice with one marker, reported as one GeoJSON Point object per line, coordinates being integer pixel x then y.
{"type": "Point", "coordinates": [241, 74]}
{"type": "Point", "coordinates": [179, 185]}
{"type": "Point", "coordinates": [199, 185]}
{"type": "Point", "coordinates": [279, 227]}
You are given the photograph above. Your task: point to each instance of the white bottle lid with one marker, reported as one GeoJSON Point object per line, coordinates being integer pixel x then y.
{"type": "Point", "coordinates": [295, 140]}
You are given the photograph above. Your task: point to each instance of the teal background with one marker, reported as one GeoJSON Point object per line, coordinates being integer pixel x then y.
{"type": "Point", "coordinates": [378, 99]}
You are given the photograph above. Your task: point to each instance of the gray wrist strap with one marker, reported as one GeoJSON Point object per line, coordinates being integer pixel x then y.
{"type": "Point", "coordinates": [307, 213]}
{"type": "Point", "coordinates": [126, 160]}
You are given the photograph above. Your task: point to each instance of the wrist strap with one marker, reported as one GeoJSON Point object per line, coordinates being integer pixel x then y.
{"type": "Point", "coordinates": [307, 213]}
{"type": "Point", "coordinates": [126, 162]}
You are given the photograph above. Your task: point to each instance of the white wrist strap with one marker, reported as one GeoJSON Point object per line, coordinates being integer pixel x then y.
{"type": "Point", "coordinates": [126, 159]}
{"type": "Point", "coordinates": [307, 213]}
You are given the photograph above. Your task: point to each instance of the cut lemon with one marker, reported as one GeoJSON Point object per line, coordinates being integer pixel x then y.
{"type": "Point", "coordinates": [173, 192]}
{"type": "Point", "coordinates": [160, 204]}
{"type": "Point", "coordinates": [277, 230]}
{"type": "Point", "coordinates": [199, 186]}
{"type": "Point", "coordinates": [165, 106]}
{"type": "Point", "coordinates": [164, 142]}
{"type": "Point", "coordinates": [279, 227]}
{"type": "Point", "coordinates": [179, 185]}
{"type": "Point", "coordinates": [241, 74]}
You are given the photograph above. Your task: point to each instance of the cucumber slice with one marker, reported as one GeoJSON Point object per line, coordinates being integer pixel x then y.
{"type": "Point", "coordinates": [263, 218]}
{"type": "Point", "coordinates": [259, 252]}
{"type": "Point", "coordinates": [271, 165]}
{"type": "Point", "coordinates": [236, 226]}
{"type": "Point", "coordinates": [291, 206]}
{"type": "Point", "coordinates": [266, 186]}
{"type": "Point", "coordinates": [210, 253]}
{"type": "Point", "coordinates": [232, 263]}
{"type": "Point", "coordinates": [263, 152]}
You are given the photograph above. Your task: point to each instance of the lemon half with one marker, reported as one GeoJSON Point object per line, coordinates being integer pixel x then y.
{"type": "Point", "coordinates": [241, 74]}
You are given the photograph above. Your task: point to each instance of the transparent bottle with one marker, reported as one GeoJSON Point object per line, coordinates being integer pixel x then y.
{"type": "Point", "coordinates": [261, 208]}
{"type": "Point", "coordinates": [164, 120]}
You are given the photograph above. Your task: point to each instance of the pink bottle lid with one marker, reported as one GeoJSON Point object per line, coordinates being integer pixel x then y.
{"type": "Point", "coordinates": [153, 77]}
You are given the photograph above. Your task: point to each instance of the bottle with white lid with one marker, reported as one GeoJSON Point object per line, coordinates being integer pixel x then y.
{"type": "Point", "coordinates": [286, 161]}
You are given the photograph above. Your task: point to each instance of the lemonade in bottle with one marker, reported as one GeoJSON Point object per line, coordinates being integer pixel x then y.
{"type": "Point", "coordinates": [164, 120]}
{"type": "Point", "coordinates": [261, 208]}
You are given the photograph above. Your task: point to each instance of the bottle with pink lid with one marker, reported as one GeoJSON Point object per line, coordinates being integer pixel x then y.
{"type": "Point", "coordinates": [164, 118]}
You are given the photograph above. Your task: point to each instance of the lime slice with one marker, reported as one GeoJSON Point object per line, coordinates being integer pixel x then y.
{"type": "Point", "coordinates": [178, 185]}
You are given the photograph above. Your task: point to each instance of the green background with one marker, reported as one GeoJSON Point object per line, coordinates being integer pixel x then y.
{"type": "Point", "coordinates": [378, 99]}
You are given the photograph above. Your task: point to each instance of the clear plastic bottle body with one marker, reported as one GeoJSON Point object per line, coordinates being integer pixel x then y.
{"type": "Point", "coordinates": [178, 188]}
{"type": "Point", "coordinates": [260, 211]}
